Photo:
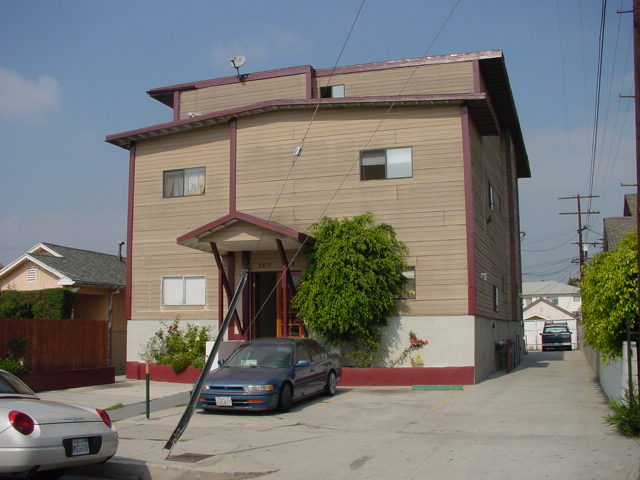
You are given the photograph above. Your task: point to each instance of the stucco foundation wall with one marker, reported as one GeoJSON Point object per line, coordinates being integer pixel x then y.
{"type": "Point", "coordinates": [451, 342]}
{"type": "Point", "coordinates": [488, 332]}
{"type": "Point", "coordinates": [140, 331]}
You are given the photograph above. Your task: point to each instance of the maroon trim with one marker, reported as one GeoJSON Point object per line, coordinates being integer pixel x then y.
{"type": "Point", "coordinates": [233, 152]}
{"type": "Point", "coordinates": [406, 376]}
{"type": "Point", "coordinates": [129, 267]}
{"type": "Point", "coordinates": [225, 283]}
{"type": "Point", "coordinates": [514, 235]}
{"type": "Point", "coordinates": [410, 62]}
{"type": "Point", "coordinates": [164, 94]}
{"type": "Point", "coordinates": [477, 79]}
{"type": "Point", "coordinates": [239, 216]}
{"type": "Point", "coordinates": [161, 373]}
{"type": "Point", "coordinates": [246, 299]}
{"type": "Point", "coordinates": [468, 205]}
{"type": "Point", "coordinates": [286, 286]}
{"type": "Point", "coordinates": [176, 106]}
{"type": "Point", "coordinates": [234, 333]}
{"type": "Point", "coordinates": [310, 78]}
{"type": "Point", "coordinates": [301, 103]}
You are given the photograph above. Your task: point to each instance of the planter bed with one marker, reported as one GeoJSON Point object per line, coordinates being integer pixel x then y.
{"type": "Point", "coordinates": [351, 377]}
{"type": "Point", "coordinates": [162, 373]}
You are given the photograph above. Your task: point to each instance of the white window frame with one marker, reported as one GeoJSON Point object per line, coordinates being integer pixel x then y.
{"type": "Point", "coordinates": [491, 198]}
{"type": "Point", "coordinates": [409, 288]}
{"type": "Point", "coordinates": [192, 179]}
{"type": "Point", "coordinates": [397, 161]}
{"type": "Point", "coordinates": [175, 290]}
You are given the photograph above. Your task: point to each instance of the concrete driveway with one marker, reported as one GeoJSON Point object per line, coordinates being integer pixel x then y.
{"type": "Point", "coordinates": [543, 420]}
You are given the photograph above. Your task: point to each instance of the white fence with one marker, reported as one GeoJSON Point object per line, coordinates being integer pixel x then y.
{"type": "Point", "coordinates": [612, 375]}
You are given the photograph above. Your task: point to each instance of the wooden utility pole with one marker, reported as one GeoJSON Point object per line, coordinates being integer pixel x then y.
{"type": "Point", "coordinates": [579, 213]}
{"type": "Point", "coordinates": [636, 63]}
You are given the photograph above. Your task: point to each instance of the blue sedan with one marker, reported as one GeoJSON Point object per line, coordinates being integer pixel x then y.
{"type": "Point", "coordinates": [271, 373]}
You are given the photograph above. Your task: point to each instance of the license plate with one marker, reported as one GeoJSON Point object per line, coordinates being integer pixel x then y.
{"type": "Point", "coordinates": [223, 402]}
{"type": "Point", "coordinates": [80, 446]}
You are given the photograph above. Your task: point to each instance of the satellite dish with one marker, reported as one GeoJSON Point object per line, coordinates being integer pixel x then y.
{"type": "Point", "coordinates": [237, 61]}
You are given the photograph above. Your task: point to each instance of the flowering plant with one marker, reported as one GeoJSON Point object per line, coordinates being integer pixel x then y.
{"type": "Point", "coordinates": [415, 343]}
{"type": "Point", "coordinates": [178, 347]}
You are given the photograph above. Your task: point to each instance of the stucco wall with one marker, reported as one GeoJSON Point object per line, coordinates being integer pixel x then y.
{"type": "Point", "coordinates": [139, 332]}
{"type": "Point", "coordinates": [487, 333]}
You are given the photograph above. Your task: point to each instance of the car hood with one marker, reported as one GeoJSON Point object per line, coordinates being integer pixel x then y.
{"type": "Point", "coordinates": [46, 412]}
{"type": "Point", "coordinates": [246, 375]}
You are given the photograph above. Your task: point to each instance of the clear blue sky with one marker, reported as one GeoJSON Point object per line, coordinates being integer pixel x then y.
{"type": "Point", "coordinates": [74, 71]}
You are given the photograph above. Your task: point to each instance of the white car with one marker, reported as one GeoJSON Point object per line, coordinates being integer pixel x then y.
{"type": "Point", "coordinates": [42, 436]}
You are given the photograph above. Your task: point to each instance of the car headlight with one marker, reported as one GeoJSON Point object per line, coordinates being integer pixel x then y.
{"type": "Point", "coordinates": [258, 388]}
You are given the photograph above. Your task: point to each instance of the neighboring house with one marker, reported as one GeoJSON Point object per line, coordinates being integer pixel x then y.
{"type": "Point", "coordinates": [616, 227]}
{"type": "Point", "coordinates": [97, 280]}
{"type": "Point", "coordinates": [546, 301]}
{"type": "Point", "coordinates": [248, 163]}
{"type": "Point", "coordinates": [560, 294]}
{"type": "Point", "coordinates": [541, 311]}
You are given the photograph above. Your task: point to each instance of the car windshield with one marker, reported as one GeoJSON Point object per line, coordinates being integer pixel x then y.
{"type": "Point", "coordinates": [261, 355]}
{"type": "Point", "coordinates": [12, 385]}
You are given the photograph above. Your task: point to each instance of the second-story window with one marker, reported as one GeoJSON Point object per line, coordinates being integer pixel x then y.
{"type": "Point", "coordinates": [183, 183]}
{"type": "Point", "coordinates": [386, 163]}
{"type": "Point", "coordinates": [332, 91]}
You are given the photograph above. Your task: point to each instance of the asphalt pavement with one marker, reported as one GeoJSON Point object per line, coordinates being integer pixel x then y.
{"type": "Point", "coordinates": [542, 420]}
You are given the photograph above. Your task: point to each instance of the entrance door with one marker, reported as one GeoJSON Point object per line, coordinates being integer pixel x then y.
{"type": "Point", "coordinates": [264, 304]}
{"type": "Point", "coordinates": [268, 307]}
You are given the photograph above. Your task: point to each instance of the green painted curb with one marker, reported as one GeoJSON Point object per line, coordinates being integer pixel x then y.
{"type": "Point", "coordinates": [436, 387]}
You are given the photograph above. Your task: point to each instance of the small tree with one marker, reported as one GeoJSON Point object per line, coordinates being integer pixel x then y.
{"type": "Point", "coordinates": [609, 291]}
{"type": "Point", "coordinates": [351, 282]}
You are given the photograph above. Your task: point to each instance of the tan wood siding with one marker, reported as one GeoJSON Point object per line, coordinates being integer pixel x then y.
{"type": "Point", "coordinates": [421, 80]}
{"type": "Point", "coordinates": [222, 97]}
{"type": "Point", "coordinates": [427, 210]}
{"type": "Point", "coordinates": [159, 221]}
{"type": "Point", "coordinates": [492, 229]}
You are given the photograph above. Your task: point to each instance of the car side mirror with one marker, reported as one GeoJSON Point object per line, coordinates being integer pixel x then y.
{"type": "Point", "coordinates": [303, 363]}
{"type": "Point", "coordinates": [220, 362]}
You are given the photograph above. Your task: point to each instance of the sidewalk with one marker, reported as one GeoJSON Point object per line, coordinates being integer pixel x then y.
{"type": "Point", "coordinates": [543, 420]}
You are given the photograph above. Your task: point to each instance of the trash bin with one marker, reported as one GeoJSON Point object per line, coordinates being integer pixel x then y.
{"type": "Point", "coordinates": [501, 354]}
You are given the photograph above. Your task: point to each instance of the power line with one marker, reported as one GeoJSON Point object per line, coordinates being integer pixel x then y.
{"type": "Point", "coordinates": [596, 114]}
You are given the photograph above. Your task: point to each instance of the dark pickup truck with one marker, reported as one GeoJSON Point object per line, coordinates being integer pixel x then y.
{"type": "Point", "coordinates": [556, 336]}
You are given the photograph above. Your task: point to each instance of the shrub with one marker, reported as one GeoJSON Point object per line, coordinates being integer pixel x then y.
{"type": "Point", "coordinates": [13, 304]}
{"type": "Point", "coordinates": [53, 303]}
{"type": "Point", "coordinates": [49, 303]}
{"type": "Point", "coordinates": [14, 362]}
{"type": "Point", "coordinates": [177, 347]}
{"type": "Point", "coordinates": [13, 365]}
{"type": "Point", "coordinates": [351, 283]}
{"type": "Point", "coordinates": [626, 415]}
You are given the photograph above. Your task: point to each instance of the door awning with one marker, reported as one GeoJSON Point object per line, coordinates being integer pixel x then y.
{"type": "Point", "coordinates": [237, 232]}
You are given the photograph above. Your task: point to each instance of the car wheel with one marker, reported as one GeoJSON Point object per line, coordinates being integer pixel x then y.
{"type": "Point", "coordinates": [330, 387]}
{"type": "Point", "coordinates": [286, 398]}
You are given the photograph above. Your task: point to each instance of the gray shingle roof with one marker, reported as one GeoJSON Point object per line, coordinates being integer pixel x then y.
{"type": "Point", "coordinates": [85, 267]}
{"type": "Point", "coordinates": [616, 227]}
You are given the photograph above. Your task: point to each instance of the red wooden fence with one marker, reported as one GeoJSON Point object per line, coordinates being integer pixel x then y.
{"type": "Point", "coordinates": [57, 345]}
